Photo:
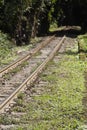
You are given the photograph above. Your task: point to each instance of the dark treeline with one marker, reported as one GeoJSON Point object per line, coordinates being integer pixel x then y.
{"type": "Point", "coordinates": [23, 19]}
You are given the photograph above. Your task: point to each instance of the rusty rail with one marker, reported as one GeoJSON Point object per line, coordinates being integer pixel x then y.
{"type": "Point", "coordinates": [25, 58]}
{"type": "Point", "coordinates": [31, 79]}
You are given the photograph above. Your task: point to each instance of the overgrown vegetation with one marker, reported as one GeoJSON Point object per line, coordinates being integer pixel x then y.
{"type": "Point", "coordinates": [27, 18]}
{"type": "Point", "coordinates": [82, 46]}
{"type": "Point", "coordinates": [10, 52]}
{"type": "Point", "coordinates": [59, 106]}
{"type": "Point", "coordinates": [5, 47]}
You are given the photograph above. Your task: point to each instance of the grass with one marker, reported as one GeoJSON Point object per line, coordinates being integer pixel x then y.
{"type": "Point", "coordinates": [59, 106]}
{"type": "Point", "coordinates": [4, 119]}
{"type": "Point", "coordinates": [5, 46]}
{"type": "Point", "coordinates": [82, 45]}
{"type": "Point", "coordinates": [15, 70]}
{"type": "Point", "coordinates": [9, 51]}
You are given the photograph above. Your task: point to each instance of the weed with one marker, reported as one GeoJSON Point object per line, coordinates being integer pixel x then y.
{"type": "Point", "coordinates": [21, 96]}
{"type": "Point", "coordinates": [59, 106]}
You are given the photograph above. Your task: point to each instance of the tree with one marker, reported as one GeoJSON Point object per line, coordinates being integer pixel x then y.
{"type": "Point", "coordinates": [24, 19]}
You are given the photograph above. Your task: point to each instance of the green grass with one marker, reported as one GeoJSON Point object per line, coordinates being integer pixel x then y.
{"type": "Point", "coordinates": [5, 46]}
{"type": "Point", "coordinates": [59, 107]}
{"type": "Point", "coordinates": [15, 70]}
{"type": "Point", "coordinates": [82, 46]}
{"type": "Point", "coordinates": [9, 51]}
{"type": "Point", "coordinates": [82, 39]}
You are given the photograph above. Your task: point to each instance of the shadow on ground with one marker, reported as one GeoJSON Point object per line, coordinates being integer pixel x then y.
{"type": "Point", "coordinates": [69, 53]}
{"type": "Point", "coordinates": [69, 31]}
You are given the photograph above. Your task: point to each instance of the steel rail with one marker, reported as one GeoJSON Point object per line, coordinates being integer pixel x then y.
{"type": "Point", "coordinates": [25, 58]}
{"type": "Point", "coordinates": [31, 79]}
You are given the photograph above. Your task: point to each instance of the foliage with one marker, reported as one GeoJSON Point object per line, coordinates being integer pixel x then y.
{"type": "Point", "coordinates": [5, 46]}
{"type": "Point", "coordinates": [14, 21]}
{"type": "Point", "coordinates": [82, 46]}
{"type": "Point", "coordinates": [82, 42]}
{"type": "Point", "coordinates": [53, 26]}
{"type": "Point", "coordinates": [26, 18]}
{"type": "Point", "coordinates": [23, 19]}
{"type": "Point", "coordinates": [58, 104]}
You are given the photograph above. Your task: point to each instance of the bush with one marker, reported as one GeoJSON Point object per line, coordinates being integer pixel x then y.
{"type": "Point", "coordinates": [82, 42]}
{"type": "Point", "coordinates": [82, 46]}
{"type": "Point", "coordinates": [5, 46]}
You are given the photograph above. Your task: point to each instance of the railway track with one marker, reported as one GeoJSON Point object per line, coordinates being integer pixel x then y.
{"type": "Point", "coordinates": [12, 90]}
{"type": "Point", "coordinates": [26, 57]}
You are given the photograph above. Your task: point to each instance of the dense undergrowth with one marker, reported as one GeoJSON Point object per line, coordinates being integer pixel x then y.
{"type": "Point", "coordinates": [5, 47]}
{"type": "Point", "coordinates": [10, 52]}
{"type": "Point", "coordinates": [82, 46]}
